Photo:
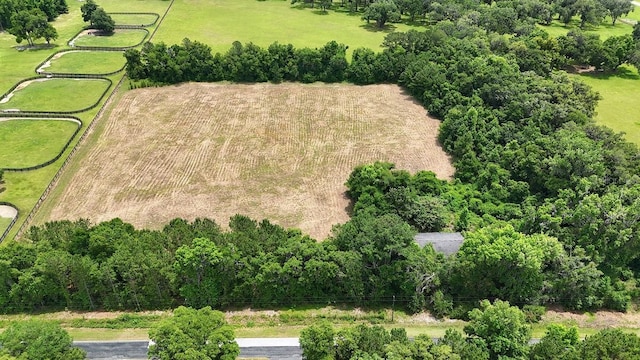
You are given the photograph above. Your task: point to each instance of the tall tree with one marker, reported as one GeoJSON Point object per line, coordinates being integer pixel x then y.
{"type": "Point", "coordinates": [38, 340]}
{"type": "Point", "coordinates": [194, 334]}
{"type": "Point", "coordinates": [502, 327]}
{"type": "Point", "coordinates": [101, 21]}
{"type": "Point", "coordinates": [31, 25]}
{"type": "Point", "coordinates": [382, 11]}
{"type": "Point", "coordinates": [87, 9]}
{"type": "Point", "coordinates": [617, 8]}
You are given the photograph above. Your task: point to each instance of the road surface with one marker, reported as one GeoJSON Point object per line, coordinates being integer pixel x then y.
{"type": "Point", "coordinates": [272, 348]}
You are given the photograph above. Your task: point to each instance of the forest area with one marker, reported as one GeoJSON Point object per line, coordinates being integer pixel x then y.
{"type": "Point", "coordinates": [547, 200]}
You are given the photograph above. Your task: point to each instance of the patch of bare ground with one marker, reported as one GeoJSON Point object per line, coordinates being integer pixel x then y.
{"type": "Point", "coordinates": [280, 152]}
{"type": "Point", "coordinates": [596, 320]}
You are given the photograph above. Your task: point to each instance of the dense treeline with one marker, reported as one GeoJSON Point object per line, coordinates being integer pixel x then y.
{"type": "Point", "coordinates": [9, 8]}
{"type": "Point", "coordinates": [368, 260]}
{"type": "Point", "coordinates": [495, 331]}
{"type": "Point", "coordinates": [535, 52]}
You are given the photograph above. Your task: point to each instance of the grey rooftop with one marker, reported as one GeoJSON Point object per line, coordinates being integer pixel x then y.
{"type": "Point", "coordinates": [447, 243]}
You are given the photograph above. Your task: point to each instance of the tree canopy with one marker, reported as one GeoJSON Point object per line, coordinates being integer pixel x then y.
{"type": "Point", "coordinates": [193, 334]}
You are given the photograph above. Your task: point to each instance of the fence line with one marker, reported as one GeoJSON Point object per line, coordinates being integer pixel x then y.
{"type": "Point", "coordinates": [27, 221]}
{"type": "Point", "coordinates": [66, 162]}
{"type": "Point", "coordinates": [15, 218]}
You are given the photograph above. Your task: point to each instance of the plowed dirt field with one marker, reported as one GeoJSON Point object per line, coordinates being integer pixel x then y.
{"type": "Point", "coordinates": [281, 152]}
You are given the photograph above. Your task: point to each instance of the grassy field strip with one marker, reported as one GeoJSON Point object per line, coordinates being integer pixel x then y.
{"type": "Point", "coordinates": [215, 23]}
{"type": "Point", "coordinates": [620, 93]}
{"type": "Point", "coordinates": [120, 38]}
{"type": "Point", "coordinates": [133, 19]}
{"type": "Point", "coordinates": [55, 95]}
{"type": "Point", "coordinates": [85, 62]}
{"type": "Point", "coordinates": [29, 142]}
{"type": "Point", "coordinates": [433, 330]}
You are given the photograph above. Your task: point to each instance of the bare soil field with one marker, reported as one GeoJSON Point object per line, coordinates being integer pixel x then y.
{"type": "Point", "coordinates": [280, 152]}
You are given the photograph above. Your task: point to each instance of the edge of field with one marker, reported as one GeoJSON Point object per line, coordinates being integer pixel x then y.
{"type": "Point", "coordinates": [109, 326]}
{"type": "Point", "coordinates": [92, 135]}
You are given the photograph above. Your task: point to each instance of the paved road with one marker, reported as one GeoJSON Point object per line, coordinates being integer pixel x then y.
{"type": "Point", "coordinates": [284, 349]}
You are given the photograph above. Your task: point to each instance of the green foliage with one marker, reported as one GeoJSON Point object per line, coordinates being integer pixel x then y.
{"type": "Point", "coordinates": [87, 9]}
{"type": "Point", "coordinates": [558, 342]}
{"type": "Point", "coordinates": [609, 344]}
{"type": "Point", "coordinates": [382, 11]}
{"type": "Point", "coordinates": [498, 262]}
{"type": "Point", "coordinates": [31, 25]}
{"type": "Point", "coordinates": [316, 342]}
{"type": "Point", "coordinates": [502, 327]}
{"type": "Point", "coordinates": [193, 334]}
{"type": "Point", "coordinates": [38, 340]}
{"type": "Point", "coordinates": [101, 21]}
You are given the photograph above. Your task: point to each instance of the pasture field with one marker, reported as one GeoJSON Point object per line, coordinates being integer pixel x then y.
{"type": "Point", "coordinates": [29, 142]}
{"type": "Point", "coordinates": [55, 94]}
{"type": "Point", "coordinates": [134, 19]}
{"type": "Point", "coordinates": [24, 188]}
{"type": "Point", "coordinates": [4, 222]}
{"type": "Point", "coordinates": [22, 63]}
{"type": "Point", "coordinates": [267, 151]}
{"type": "Point", "coordinates": [219, 23]}
{"type": "Point", "coordinates": [119, 38]}
{"type": "Point", "coordinates": [85, 62]}
{"type": "Point", "coordinates": [620, 93]}
{"type": "Point", "coordinates": [605, 30]}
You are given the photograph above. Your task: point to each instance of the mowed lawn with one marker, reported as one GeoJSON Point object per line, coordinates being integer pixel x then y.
{"type": "Point", "coordinates": [134, 19]}
{"type": "Point", "coordinates": [31, 142]}
{"type": "Point", "coordinates": [86, 62]}
{"type": "Point", "coordinates": [219, 23]}
{"type": "Point", "coordinates": [120, 38]}
{"type": "Point", "coordinates": [56, 95]}
{"type": "Point", "coordinates": [618, 108]}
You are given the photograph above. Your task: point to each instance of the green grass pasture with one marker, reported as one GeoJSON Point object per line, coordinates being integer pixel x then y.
{"type": "Point", "coordinates": [86, 62]}
{"type": "Point", "coordinates": [120, 38]}
{"type": "Point", "coordinates": [154, 6]}
{"type": "Point", "coordinates": [18, 65]}
{"type": "Point", "coordinates": [4, 223]}
{"type": "Point", "coordinates": [620, 93]}
{"type": "Point", "coordinates": [31, 142]}
{"type": "Point", "coordinates": [134, 19]}
{"type": "Point", "coordinates": [57, 95]}
{"type": "Point", "coordinates": [605, 30]}
{"type": "Point", "coordinates": [219, 23]}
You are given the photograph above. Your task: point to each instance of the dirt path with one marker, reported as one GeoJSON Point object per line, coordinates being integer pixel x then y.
{"type": "Point", "coordinates": [8, 212]}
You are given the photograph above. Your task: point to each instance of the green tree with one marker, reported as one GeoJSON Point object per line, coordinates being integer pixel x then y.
{"type": "Point", "coordinates": [87, 9]}
{"type": "Point", "coordinates": [101, 21]}
{"type": "Point", "coordinates": [499, 262]}
{"type": "Point", "coordinates": [382, 11]}
{"type": "Point", "coordinates": [502, 327]}
{"type": "Point", "coordinates": [609, 344]}
{"type": "Point", "coordinates": [31, 26]}
{"type": "Point", "coordinates": [38, 340]}
{"type": "Point", "coordinates": [193, 334]}
{"type": "Point", "coordinates": [557, 343]}
{"type": "Point", "coordinates": [316, 342]}
{"type": "Point", "coordinates": [196, 267]}
{"type": "Point", "coordinates": [617, 8]}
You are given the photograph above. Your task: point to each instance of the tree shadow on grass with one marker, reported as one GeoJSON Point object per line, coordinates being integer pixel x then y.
{"type": "Point", "coordinates": [622, 73]}
{"type": "Point", "coordinates": [36, 47]}
{"type": "Point", "coordinates": [388, 28]}
{"type": "Point", "coordinates": [320, 12]}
